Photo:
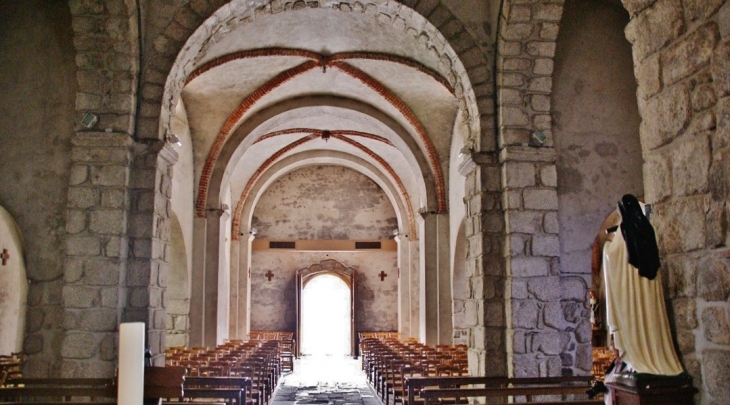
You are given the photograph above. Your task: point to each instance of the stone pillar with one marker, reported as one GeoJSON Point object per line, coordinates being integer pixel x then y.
{"type": "Point", "coordinates": [484, 227]}
{"type": "Point", "coordinates": [149, 233]}
{"type": "Point", "coordinates": [197, 282]}
{"type": "Point", "coordinates": [224, 278]}
{"type": "Point", "coordinates": [404, 286]}
{"type": "Point", "coordinates": [240, 288]}
{"type": "Point", "coordinates": [435, 272]}
{"type": "Point", "coordinates": [205, 326]}
{"type": "Point", "coordinates": [538, 337]}
{"type": "Point", "coordinates": [96, 247]}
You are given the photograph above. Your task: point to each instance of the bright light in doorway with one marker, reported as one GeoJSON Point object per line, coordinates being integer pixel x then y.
{"type": "Point", "coordinates": [326, 317]}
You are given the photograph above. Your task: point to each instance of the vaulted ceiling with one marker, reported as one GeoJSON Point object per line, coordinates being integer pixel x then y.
{"type": "Point", "coordinates": [312, 83]}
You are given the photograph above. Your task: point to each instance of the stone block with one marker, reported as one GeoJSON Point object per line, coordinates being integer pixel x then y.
{"type": "Point", "coordinates": [79, 346]}
{"type": "Point", "coordinates": [691, 166]}
{"type": "Point", "coordinates": [540, 199]}
{"type": "Point", "coordinates": [519, 175]}
{"type": "Point", "coordinates": [721, 139]}
{"type": "Point", "coordinates": [553, 316]}
{"type": "Point", "coordinates": [540, 48]}
{"type": "Point", "coordinates": [550, 223]}
{"type": "Point", "coordinates": [686, 341]}
{"type": "Point", "coordinates": [713, 278]}
{"type": "Point", "coordinates": [541, 84]}
{"type": "Point", "coordinates": [515, 64]}
{"type": "Point", "coordinates": [529, 222]}
{"type": "Point", "coordinates": [548, 176]}
{"type": "Point", "coordinates": [82, 197]}
{"type": "Point", "coordinates": [549, 31]}
{"type": "Point", "coordinates": [116, 247]}
{"type": "Point", "coordinates": [512, 199]}
{"type": "Point", "coordinates": [657, 184]}
{"type": "Point", "coordinates": [100, 155]}
{"type": "Point", "coordinates": [519, 289]}
{"type": "Point", "coordinates": [82, 245]}
{"type": "Point", "coordinates": [685, 313]}
{"type": "Point", "coordinates": [680, 271]}
{"type": "Point", "coordinates": [655, 28]}
{"type": "Point", "coordinates": [699, 9]}
{"type": "Point", "coordinates": [720, 66]}
{"type": "Point", "coordinates": [100, 271]}
{"type": "Point", "coordinates": [525, 365]}
{"type": "Point", "coordinates": [524, 314]}
{"type": "Point", "coordinates": [703, 97]}
{"type": "Point", "coordinates": [33, 344]}
{"type": "Point", "coordinates": [584, 332]}
{"type": "Point", "coordinates": [113, 198]}
{"type": "Point", "coordinates": [107, 221]}
{"type": "Point", "coordinates": [513, 116]}
{"type": "Point", "coordinates": [584, 357]}
{"type": "Point", "coordinates": [679, 225]}
{"type": "Point", "coordinates": [572, 311]}
{"type": "Point", "coordinates": [79, 174]}
{"type": "Point", "coordinates": [98, 320]}
{"type": "Point", "coordinates": [540, 102]}
{"type": "Point", "coordinates": [686, 57]}
{"type": "Point", "coordinates": [648, 74]}
{"type": "Point", "coordinates": [517, 31]}
{"type": "Point", "coordinates": [511, 48]}
{"type": "Point", "coordinates": [511, 79]}
{"type": "Point", "coordinates": [665, 116]}
{"type": "Point", "coordinates": [139, 297]}
{"type": "Point", "coordinates": [715, 324]}
{"type": "Point", "coordinates": [529, 267]}
{"type": "Point", "coordinates": [509, 96]}
{"type": "Point", "coordinates": [112, 176]}
{"type": "Point", "coordinates": [80, 297]}
{"type": "Point", "coordinates": [543, 66]}
{"type": "Point", "coordinates": [75, 221]}
{"type": "Point", "coordinates": [110, 297]}
{"type": "Point", "coordinates": [519, 345]}
{"type": "Point", "coordinates": [548, 12]}
{"type": "Point", "coordinates": [574, 288]}
{"type": "Point", "coordinates": [715, 371]}
{"type": "Point", "coordinates": [547, 342]}
{"type": "Point", "coordinates": [545, 288]}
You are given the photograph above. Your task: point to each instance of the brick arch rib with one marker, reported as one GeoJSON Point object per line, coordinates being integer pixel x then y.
{"type": "Point", "coordinates": [290, 131]}
{"type": "Point", "coordinates": [231, 122]}
{"type": "Point", "coordinates": [404, 109]}
{"type": "Point", "coordinates": [236, 222]}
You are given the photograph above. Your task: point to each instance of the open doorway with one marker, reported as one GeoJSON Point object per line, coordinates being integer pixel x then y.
{"type": "Point", "coordinates": [326, 310]}
{"type": "Point", "coordinates": [326, 302]}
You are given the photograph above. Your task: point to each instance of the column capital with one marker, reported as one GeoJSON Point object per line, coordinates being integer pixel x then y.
{"type": "Point", "coordinates": [472, 160]}
{"type": "Point", "coordinates": [527, 154]}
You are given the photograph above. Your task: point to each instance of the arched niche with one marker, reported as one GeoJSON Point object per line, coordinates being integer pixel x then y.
{"type": "Point", "coordinates": [178, 287]}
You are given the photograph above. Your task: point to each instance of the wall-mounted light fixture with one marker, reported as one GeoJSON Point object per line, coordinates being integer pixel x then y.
{"type": "Point", "coordinates": [537, 138]}
{"type": "Point", "coordinates": [465, 150]}
{"type": "Point", "coordinates": [89, 120]}
{"type": "Point", "coordinates": [253, 231]}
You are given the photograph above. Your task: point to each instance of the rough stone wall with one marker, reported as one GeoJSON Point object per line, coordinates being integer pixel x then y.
{"type": "Point", "coordinates": [37, 105]}
{"type": "Point", "coordinates": [273, 303]}
{"type": "Point", "coordinates": [324, 202]}
{"type": "Point", "coordinates": [682, 62]}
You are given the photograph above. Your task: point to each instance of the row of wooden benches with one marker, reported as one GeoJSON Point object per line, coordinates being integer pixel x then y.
{"type": "Point", "coordinates": [163, 385]}
{"type": "Point", "coordinates": [535, 391]}
{"type": "Point", "coordinates": [410, 373]}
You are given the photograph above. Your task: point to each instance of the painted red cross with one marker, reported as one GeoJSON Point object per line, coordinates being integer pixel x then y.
{"type": "Point", "coordinates": [269, 275]}
{"type": "Point", "coordinates": [382, 275]}
{"type": "Point", "coordinates": [5, 256]}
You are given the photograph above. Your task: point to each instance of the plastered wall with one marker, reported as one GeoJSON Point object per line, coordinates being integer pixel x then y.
{"type": "Point", "coordinates": [596, 124]}
{"type": "Point", "coordinates": [273, 303]}
{"type": "Point", "coordinates": [324, 202]}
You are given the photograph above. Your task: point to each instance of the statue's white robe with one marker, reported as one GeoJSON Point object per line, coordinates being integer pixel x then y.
{"type": "Point", "coordinates": [636, 313]}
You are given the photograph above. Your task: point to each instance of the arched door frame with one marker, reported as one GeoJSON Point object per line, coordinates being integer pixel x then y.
{"type": "Point", "coordinates": [307, 274]}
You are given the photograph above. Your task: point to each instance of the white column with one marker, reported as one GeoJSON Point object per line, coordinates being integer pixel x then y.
{"type": "Point", "coordinates": [435, 273]}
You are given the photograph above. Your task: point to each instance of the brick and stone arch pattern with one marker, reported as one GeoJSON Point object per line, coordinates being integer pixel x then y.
{"type": "Point", "coordinates": [463, 62]}
{"type": "Point", "coordinates": [682, 59]}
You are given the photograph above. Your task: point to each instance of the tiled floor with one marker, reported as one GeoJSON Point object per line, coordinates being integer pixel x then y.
{"type": "Point", "coordinates": [325, 380]}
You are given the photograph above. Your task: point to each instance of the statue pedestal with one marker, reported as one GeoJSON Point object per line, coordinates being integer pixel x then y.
{"type": "Point", "coordinates": [646, 389]}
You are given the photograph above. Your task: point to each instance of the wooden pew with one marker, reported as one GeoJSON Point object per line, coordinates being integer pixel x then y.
{"type": "Point", "coordinates": [415, 387]}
